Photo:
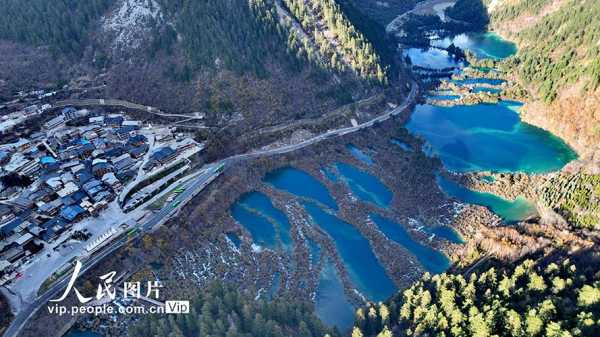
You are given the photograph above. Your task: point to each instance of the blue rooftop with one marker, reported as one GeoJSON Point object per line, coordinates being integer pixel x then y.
{"type": "Point", "coordinates": [9, 227]}
{"type": "Point", "coordinates": [71, 212]}
{"type": "Point", "coordinates": [163, 152]}
{"type": "Point", "coordinates": [47, 160]}
{"type": "Point", "coordinates": [69, 109]}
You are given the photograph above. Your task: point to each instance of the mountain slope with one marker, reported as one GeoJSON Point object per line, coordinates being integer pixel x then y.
{"type": "Point", "coordinates": [559, 62]}
{"type": "Point", "coordinates": [225, 58]}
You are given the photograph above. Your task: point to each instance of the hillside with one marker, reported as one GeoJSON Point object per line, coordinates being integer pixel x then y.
{"type": "Point", "coordinates": [558, 62]}
{"type": "Point", "coordinates": [262, 62]}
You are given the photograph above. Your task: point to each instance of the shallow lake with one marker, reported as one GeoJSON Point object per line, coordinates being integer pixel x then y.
{"type": "Point", "coordinates": [300, 183]}
{"type": "Point", "coordinates": [510, 211]}
{"type": "Point", "coordinates": [332, 305]}
{"type": "Point", "coordinates": [360, 154]}
{"type": "Point", "coordinates": [481, 80]}
{"type": "Point", "coordinates": [362, 265]}
{"type": "Point", "coordinates": [365, 186]}
{"type": "Point", "coordinates": [268, 225]}
{"type": "Point", "coordinates": [261, 228]}
{"type": "Point", "coordinates": [446, 232]}
{"type": "Point", "coordinates": [234, 239]}
{"type": "Point", "coordinates": [488, 137]}
{"type": "Point", "coordinates": [443, 97]}
{"type": "Point", "coordinates": [433, 261]}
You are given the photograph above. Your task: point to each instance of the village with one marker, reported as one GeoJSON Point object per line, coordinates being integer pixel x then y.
{"type": "Point", "coordinates": [61, 178]}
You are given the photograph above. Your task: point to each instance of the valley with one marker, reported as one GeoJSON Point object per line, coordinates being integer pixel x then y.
{"type": "Point", "coordinates": [363, 184]}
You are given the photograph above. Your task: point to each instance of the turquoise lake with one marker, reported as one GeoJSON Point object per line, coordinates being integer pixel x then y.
{"type": "Point", "coordinates": [432, 260]}
{"type": "Point", "coordinates": [360, 155]}
{"type": "Point", "coordinates": [490, 137]}
{"type": "Point", "coordinates": [301, 184]}
{"type": "Point", "coordinates": [262, 230]}
{"type": "Point", "coordinates": [490, 81]}
{"type": "Point", "coordinates": [510, 211]}
{"type": "Point", "coordinates": [332, 305]}
{"type": "Point", "coordinates": [447, 233]}
{"type": "Point", "coordinates": [362, 265]}
{"type": "Point", "coordinates": [264, 221]}
{"type": "Point", "coordinates": [443, 97]}
{"type": "Point", "coordinates": [366, 187]}
{"type": "Point", "coordinates": [487, 90]}
{"type": "Point", "coordinates": [483, 45]}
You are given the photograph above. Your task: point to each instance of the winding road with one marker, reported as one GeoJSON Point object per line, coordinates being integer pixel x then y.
{"type": "Point", "coordinates": [209, 173]}
{"type": "Point", "coordinates": [427, 7]}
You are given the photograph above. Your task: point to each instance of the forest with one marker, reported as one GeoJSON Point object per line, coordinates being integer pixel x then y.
{"type": "Point", "coordinates": [341, 45]}
{"type": "Point", "coordinates": [229, 34]}
{"type": "Point", "coordinates": [561, 49]}
{"type": "Point", "coordinates": [238, 35]}
{"type": "Point", "coordinates": [222, 311]}
{"type": "Point", "coordinates": [64, 25]}
{"type": "Point", "coordinates": [535, 297]}
{"type": "Point", "coordinates": [471, 12]}
{"type": "Point", "coordinates": [576, 197]}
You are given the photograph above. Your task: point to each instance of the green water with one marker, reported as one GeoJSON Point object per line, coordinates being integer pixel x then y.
{"type": "Point", "coordinates": [488, 137]}
{"type": "Point", "coordinates": [510, 211]}
{"type": "Point", "coordinates": [480, 80]}
{"type": "Point", "coordinates": [483, 45]}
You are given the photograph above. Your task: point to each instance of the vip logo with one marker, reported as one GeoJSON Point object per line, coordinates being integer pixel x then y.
{"type": "Point", "coordinates": [177, 307]}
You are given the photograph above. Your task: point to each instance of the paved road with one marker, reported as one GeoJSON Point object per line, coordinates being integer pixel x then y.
{"type": "Point", "coordinates": [193, 187]}
{"type": "Point", "coordinates": [329, 134]}
{"type": "Point", "coordinates": [122, 104]}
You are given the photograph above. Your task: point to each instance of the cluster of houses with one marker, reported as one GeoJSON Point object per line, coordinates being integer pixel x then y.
{"type": "Point", "coordinates": [60, 175]}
